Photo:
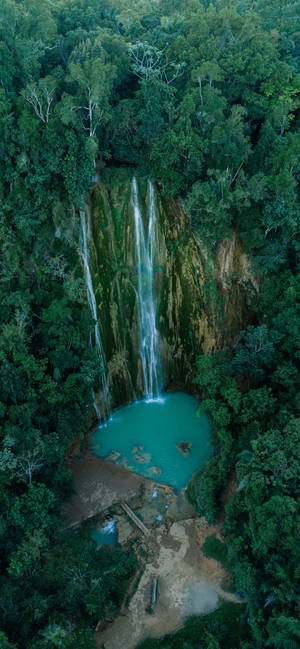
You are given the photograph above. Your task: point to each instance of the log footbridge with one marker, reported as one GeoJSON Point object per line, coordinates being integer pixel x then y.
{"type": "Point", "coordinates": [135, 519]}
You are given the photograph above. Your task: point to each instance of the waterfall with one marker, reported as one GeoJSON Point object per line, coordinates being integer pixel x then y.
{"type": "Point", "coordinates": [149, 349]}
{"type": "Point", "coordinates": [104, 411]}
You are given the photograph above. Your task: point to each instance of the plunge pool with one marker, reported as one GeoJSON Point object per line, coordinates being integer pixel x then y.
{"type": "Point", "coordinates": [164, 440]}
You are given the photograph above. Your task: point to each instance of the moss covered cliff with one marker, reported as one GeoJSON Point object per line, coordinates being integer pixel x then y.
{"type": "Point", "coordinates": [200, 301]}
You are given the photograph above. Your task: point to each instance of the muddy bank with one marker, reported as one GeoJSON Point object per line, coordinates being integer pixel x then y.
{"type": "Point", "coordinates": [98, 484]}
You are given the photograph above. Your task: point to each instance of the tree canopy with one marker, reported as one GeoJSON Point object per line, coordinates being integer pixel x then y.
{"type": "Point", "coordinates": [204, 98]}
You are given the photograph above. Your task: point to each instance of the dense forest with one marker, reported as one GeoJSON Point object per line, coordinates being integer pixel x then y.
{"type": "Point", "coordinates": [203, 97]}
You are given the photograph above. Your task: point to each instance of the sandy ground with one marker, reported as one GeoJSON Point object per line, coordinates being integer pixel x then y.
{"type": "Point", "coordinates": [190, 584]}
{"type": "Point", "coordinates": [99, 484]}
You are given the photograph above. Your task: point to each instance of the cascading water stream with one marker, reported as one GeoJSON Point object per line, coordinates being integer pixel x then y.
{"type": "Point", "coordinates": [149, 349]}
{"type": "Point", "coordinates": [104, 411]}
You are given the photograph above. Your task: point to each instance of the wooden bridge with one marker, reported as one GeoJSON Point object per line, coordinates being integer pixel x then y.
{"type": "Point", "coordinates": [135, 519]}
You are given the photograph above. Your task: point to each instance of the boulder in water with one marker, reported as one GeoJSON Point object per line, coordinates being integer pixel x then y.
{"type": "Point", "coordinates": [184, 448]}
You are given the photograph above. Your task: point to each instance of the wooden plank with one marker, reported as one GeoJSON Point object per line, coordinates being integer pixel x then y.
{"type": "Point", "coordinates": [135, 519]}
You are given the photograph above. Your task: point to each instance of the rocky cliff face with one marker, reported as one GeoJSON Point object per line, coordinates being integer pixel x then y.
{"type": "Point", "coordinates": [200, 303]}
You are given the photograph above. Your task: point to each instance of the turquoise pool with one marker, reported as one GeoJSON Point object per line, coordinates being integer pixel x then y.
{"type": "Point", "coordinates": [165, 440]}
{"type": "Point", "coordinates": [105, 534]}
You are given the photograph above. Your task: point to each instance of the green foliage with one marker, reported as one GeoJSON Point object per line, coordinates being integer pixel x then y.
{"type": "Point", "coordinates": [204, 98]}
{"type": "Point", "coordinates": [225, 628]}
{"type": "Point", "coordinates": [89, 583]}
{"type": "Point", "coordinates": [215, 549]}
{"type": "Point", "coordinates": [254, 353]}
{"type": "Point", "coordinates": [251, 392]}
{"type": "Point", "coordinates": [4, 643]}
{"type": "Point", "coordinates": [50, 75]}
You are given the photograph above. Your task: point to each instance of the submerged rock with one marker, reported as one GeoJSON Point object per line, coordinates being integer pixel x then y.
{"type": "Point", "coordinates": [154, 470]}
{"type": "Point", "coordinates": [114, 456]}
{"type": "Point", "coordinates": [143, 458]}
{"type": "Point", "coordinates": [126, 464]}
{"type": "Point", "coordinates": [184, 447]}
{"type": "Point", "coordinates": [136, 449]}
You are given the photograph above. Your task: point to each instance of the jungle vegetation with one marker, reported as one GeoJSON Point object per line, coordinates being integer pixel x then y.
{"type": "Point", "coordinates": [203, 96]}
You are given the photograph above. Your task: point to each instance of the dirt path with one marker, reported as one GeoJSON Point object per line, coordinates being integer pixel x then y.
{"type": "Point", "coordinates": [230, 597]}
{"type": "Point", "coordinates": [190, 584]}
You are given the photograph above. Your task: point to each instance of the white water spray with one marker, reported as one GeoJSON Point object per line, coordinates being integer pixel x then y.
{"type": "Point", "coordinates": [110, 527]}
{"type": "Point", "coordinates": [149, 349]}
{"type": "Point", "coordinates": [104, 410]}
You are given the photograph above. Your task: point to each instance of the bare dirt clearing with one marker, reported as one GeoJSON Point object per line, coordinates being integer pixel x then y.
{"type": "Point", "coordinates": [190, 584]}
